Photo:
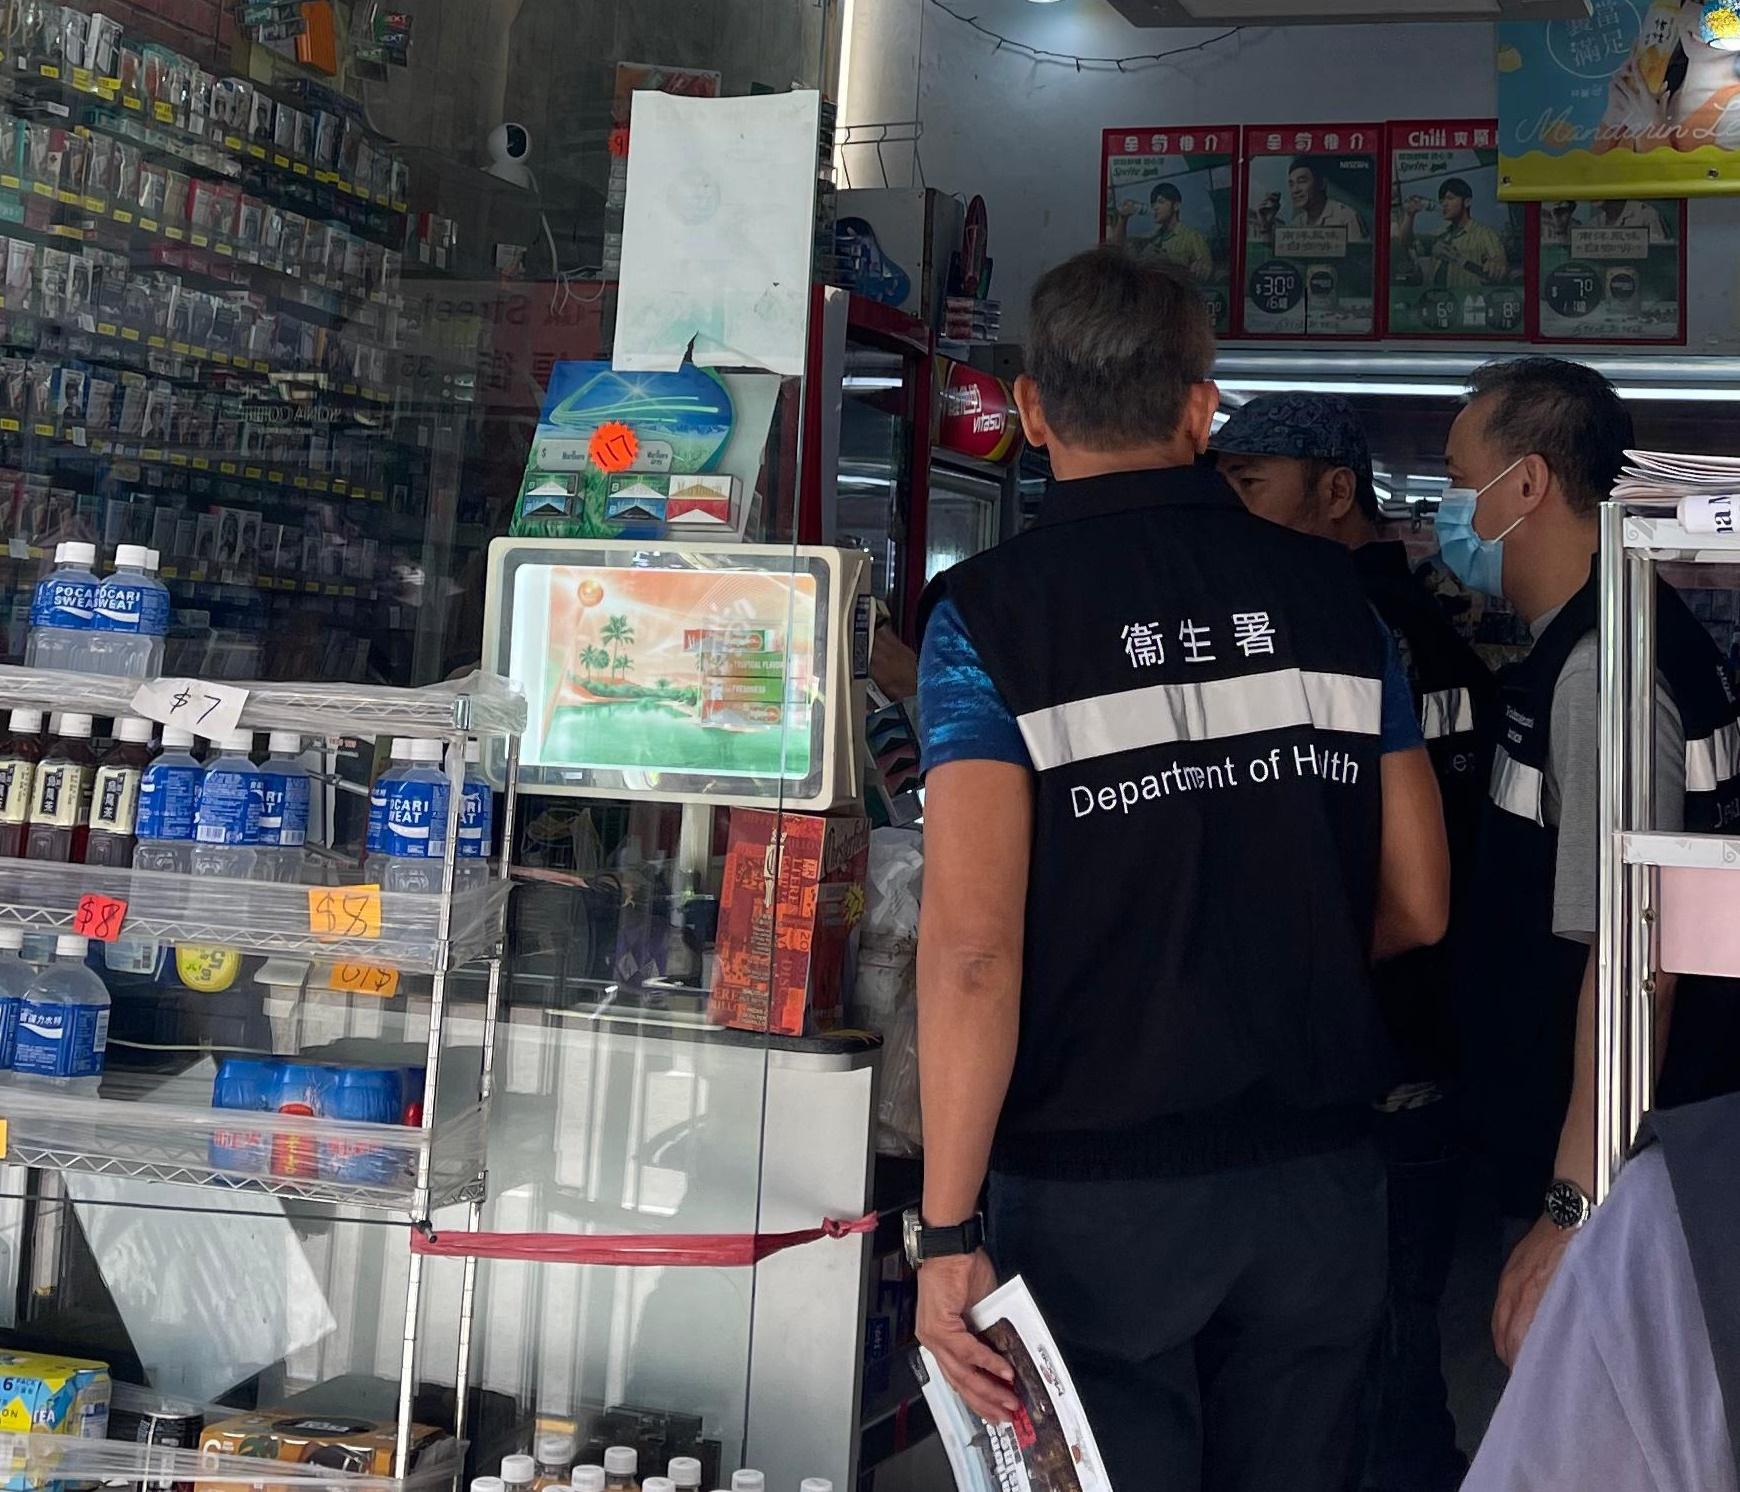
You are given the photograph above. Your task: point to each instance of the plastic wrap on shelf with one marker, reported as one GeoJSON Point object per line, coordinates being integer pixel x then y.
{"type": "Point", "coordinates": [480, 703]}
{"type": "Point", "coordinates": [43, 1458]}
{"type": "Point", "coordinates": [885, 996]}
{"type": "Point", "coordinates": [261, 916]}
{"type": "Point", "coordinates": [286, 1154]}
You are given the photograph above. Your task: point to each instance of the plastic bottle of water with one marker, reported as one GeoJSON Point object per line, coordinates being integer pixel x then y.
{"type": "Point", "coordinates": [415, 836]}
{"type": "Point", "coordinates": [476, 820]}
{"type": "Point", "coordinates": [132, 616]}
{"type": "Point", "coordinates": [284, 813]}
{"type": "Point", "coordinates": [61, 611]}
{"type": "Point", "coordinates": [398, 758]}
{"type": "Point", "coordinates": [16, 977]}
{"type": "Point", "coordinates": [227, 824]}
{"type": "Point", "coordinates": [63, 1024]}
{"type": "Point", "coordinates": [169, 795]}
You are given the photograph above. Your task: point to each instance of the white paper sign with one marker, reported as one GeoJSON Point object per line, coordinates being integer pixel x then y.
{"type": "Point", "coordinates": [718, 233]}
{"type": "Point", "coordinates": [209, 710]}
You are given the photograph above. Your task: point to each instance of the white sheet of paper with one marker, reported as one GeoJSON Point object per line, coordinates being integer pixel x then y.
{"type": "Point", "coordinates": [718, 232]}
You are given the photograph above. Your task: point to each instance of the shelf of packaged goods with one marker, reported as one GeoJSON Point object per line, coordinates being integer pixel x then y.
{"type": "Point", "coordinates": [159, 119]}
{"type": "Point", "coordinates": [386, 930]}
{"type": "Point", "coordinates": [1669, 539]}
{"type": "Point", "coordinates": [40, 1460]}
{"type": "Point", "coordinates": [126, 1132]}
{"type": "Point", "coordinates": [77, 440]}
{"type": "Point", "coordinates": [1683, 851]}
{"type": "Point", "coordinates": [135, 340]}
{"type": "Point", "coordinates": [478, 704]}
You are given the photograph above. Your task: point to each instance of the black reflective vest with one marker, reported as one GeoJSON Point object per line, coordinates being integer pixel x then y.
{"type": "Point", "coordinates": [1516, 983]}
{"type": "Point", "coordinates": [1454, 694]}
{"type": "Point", "coordinates": [1200, 695]}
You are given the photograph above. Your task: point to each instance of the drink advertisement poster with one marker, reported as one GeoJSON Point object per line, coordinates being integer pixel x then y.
{"type": "Point", "coordinates": [1611, 271]}
{"type": "Point", "coordinates": [1312, 204]}
{"type": "Point", "coordinates": [1632, 100]}
{"type": "Point", "coordinates": [1170, 193]}
{"type": "Point", "coordinates": [1457, 254]}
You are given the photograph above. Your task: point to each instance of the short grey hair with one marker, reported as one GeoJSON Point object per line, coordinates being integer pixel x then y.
{"type": "Point", "coordinates": [1115, 346]}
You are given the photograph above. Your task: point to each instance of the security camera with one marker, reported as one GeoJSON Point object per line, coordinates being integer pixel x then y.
{"type": "Point", "coordinates": [510, 149]}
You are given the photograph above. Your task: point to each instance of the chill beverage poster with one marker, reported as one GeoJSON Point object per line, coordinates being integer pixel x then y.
{"type": "Point", "coordinates": [1631, 100]}
{"type": "Point", "coordinates": [1311, 224]}
{"type": "Point", "coordinates": [1170, 193]}
{"type": "Point", "coordinates": [1612, 271]}
{"type": "Point", "coordinates": [692, 671]}
{"type": "Point", "coordinates": [1457, 253]}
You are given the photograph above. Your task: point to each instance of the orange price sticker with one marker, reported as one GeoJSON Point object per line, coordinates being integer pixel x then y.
{"type": "Point", "coordinates": [365, 979]}
{"type": "Point", "coordinates": [344, 911]}
{"type": "Point", "coordinates": [613, 446]}
{"type": "Point", "coordinates": [99, 917]}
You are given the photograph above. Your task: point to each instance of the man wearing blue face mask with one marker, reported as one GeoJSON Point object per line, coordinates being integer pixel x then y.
{"type": "Point", "coordinates": [1531, 458]}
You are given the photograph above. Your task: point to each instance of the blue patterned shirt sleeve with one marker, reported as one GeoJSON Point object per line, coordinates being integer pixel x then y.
{"type": "Point", "coordinates": [961, 713]}
{"type": "Point", "coordinates": [1400, 729]}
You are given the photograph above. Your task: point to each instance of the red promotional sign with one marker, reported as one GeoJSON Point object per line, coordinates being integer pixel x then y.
{"type": "Point", "coordinates": [978, 414]}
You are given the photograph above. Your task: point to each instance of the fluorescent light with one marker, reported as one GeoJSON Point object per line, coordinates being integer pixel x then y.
{"type": "Point", "coordinates": [843, 90]}
{"type": "Point", "coordinates": [1392, 388]}
{"type": "Point", "coordinates": [870, 381]}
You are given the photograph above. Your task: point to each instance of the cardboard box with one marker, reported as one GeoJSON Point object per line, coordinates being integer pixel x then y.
{"type": "Point", "coordinates": [337, 1442]}
{"type": "Point", "coordinates": [793, 895]}
{"type": "Point", "coordinates": [46, 1395]}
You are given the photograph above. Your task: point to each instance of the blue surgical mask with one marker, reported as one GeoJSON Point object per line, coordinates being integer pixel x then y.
{"type": "Point", "coordinates": [1478, 563]}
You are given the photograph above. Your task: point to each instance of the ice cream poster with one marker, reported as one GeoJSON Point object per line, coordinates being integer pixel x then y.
{"type": "Point", "coordinates": [1637, 99]}
{"type": "Point", "coordinates": [705, 672]}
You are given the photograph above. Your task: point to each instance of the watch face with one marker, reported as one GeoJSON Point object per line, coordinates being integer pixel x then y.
{"type": "Point", "coordinates": [910, 1227]}
{"type": "Point", "coordinates": [1566, 1205]}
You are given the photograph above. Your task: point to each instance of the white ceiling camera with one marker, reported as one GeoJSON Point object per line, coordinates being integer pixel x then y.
{"type": "Point", "coordinates": [510, 148]}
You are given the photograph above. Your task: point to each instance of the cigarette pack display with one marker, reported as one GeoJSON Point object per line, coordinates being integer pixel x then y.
{"type": "Point", "coordinates": [304, 122]}
{"type": "Point", "coordinates": [99, 167]}
{"type": "Point", "coordinates": [260, 110]}
{"type": "Point", "coordinates": [47, 1395]}
{"type": "Point", "coordinates": [75, 33]}
{"type": "Point", "coordinates": [328, 128]}
{"type": "Point", "coordinates": [14, 386]}
{"type": "Point", "coordinates": [127, 162]}
{"type": "Point", "coordinates": [153, 190]}
{"type": "Point", "coordinates": [159, 410]}
{"type": "Point", "coordinates": [793, 895]}
{"type": "Point", "coordinates": [20, 272]}
{"type": "Point", "coordinates": [73, 158]}
{"type": "Point", "coordinates": [70, 397]}
{"type": "Point", "coordinates": [284, 129]}
{"type": "Point", "coordinates": [176, 185]}
{"type": "Point", "coordinates": [130, 69]}
{"type": "Point", "coordinates": [100, 401]}
{"type": "Point", "coordinates": [134, 390]}
{"type": "Point", "coordinates": [102, 45]}
{"type": "Point", "coordinates": [249, 216]}
{"type": "Point", "coordinates": [336, 1443]}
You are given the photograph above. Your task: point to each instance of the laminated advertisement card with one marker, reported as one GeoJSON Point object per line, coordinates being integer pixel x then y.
{"type": "Point", "coordinates": [1457, 254]}
{"type": "Point", "coordinates": [1171, 193]}
{"type": "Point", "coordinates": [1049, 1446]}
{"type": "Point", "coordinates": [1312, 219]}
{"type": "Point", "coordinates": [718, 232]}
{"type": "Point", "coordinates": [1611, 271]}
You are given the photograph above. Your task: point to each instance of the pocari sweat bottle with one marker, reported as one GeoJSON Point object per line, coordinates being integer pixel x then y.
{"type": "Point", "coordinates": [415, 836]}
{"type": "Point", "coordinates": [476, 819]}
{"type": "Point", "coordinates": [398, 758]}
{"type": "Point", "coordinates": [62, 609]}
{"type": "Point", "coordinates": [16, 977]}
{"type": "Point", "coordinates": [63, 1024]}
{"type": "Point", "coordinates": [227, 824]}
{"type": "Point", "coordinates": [169, 794]}
{"type": "Point", "coordinates": [284, 809]}
{"type": "Point", "coordinates": [132, 616]}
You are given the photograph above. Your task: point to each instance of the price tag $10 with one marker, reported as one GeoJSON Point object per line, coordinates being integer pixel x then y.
{"type": "Point", "coordinates": [365, 979]}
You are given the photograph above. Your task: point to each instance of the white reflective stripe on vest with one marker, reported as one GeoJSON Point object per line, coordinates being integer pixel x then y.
{"type": "Point", "coordinates": [1713, 760]}
{"type": "Point", "coordinates": [1446, 712]}
{"type": "Point", "coordinates": [1518, 788]}
{"type": "Point", "coordinates": [1167, 714]}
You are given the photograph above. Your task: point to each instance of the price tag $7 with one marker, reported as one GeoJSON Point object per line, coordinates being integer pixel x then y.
{"type": "Point", "coordinates": [209, 710]}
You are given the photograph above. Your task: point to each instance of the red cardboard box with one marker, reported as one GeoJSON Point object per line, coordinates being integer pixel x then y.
{"type": "Point", "coordinates": [794, 891]}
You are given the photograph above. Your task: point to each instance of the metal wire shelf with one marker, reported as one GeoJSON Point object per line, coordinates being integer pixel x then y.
{"type": "Point", "coordinates": [479, 704]}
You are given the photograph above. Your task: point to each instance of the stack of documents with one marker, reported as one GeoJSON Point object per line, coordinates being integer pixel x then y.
{"type": "Point", "coordinates": [1704, 489]}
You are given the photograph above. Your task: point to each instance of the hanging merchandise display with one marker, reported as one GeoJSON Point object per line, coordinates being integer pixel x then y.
{"type": "Point", "coordinates": [1458, 256]}
{"type": "Point", "coordinates": [1637, 100]}
{"type": "Point", "coordinates": [1171, 193]}
{"type": "Point", "coordinates": [1313, 219]}
{"type": "Point", "coordinates": [1611, 271]}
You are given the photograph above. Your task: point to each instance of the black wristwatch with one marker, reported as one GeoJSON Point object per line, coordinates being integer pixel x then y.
{"type": "Point", "coordinates": [1568, 1205]}
{"type": "Point", "coordinates": [924, 1244]}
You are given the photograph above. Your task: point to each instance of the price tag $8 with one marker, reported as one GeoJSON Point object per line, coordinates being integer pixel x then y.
{"type": "Point", "coordinates": [99, 917]}
{"type": "Point", "coordinates": [344, 911]}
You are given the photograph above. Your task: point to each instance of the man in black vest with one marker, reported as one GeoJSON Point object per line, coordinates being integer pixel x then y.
{"type": "Point", "coordinates": [1532, 457]}
{"type": "Point", "coordinates": [1162, 841]}
{"type": "Point", "coordinates": [1301, 459]}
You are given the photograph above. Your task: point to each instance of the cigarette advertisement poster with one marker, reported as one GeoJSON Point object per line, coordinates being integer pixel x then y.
{"type": "Point", "coordinates": [1612, 271]}
{"type": "Point", "coordinates": [1311, 204]}
{"type": "Point", "coordinates": [1457, 254]}
{"type": "Point", "coordinates": [1170, 193]}
{"type": "Point", "coordinates": [1629, 101]}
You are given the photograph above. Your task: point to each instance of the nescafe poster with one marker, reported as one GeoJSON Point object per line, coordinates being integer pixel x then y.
{"type": "Point", "coordinates": [1611, 271]}
{"type": "Point", "coordinates": [1313, 199]}
{"type": "Point", "coordinates": [1457, 255]}
{"type": "Point", "coordinates": [1169, 192]}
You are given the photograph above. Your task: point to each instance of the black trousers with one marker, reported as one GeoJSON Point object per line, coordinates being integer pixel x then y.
{"type": "Point", "coordinates": [1217, 1327]}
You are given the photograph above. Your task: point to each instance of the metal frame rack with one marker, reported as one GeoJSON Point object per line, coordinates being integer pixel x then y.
{"type": "Point", "coordinates": [1635, 537]}
{"type": "Point", "coordinates": [434, 936]}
